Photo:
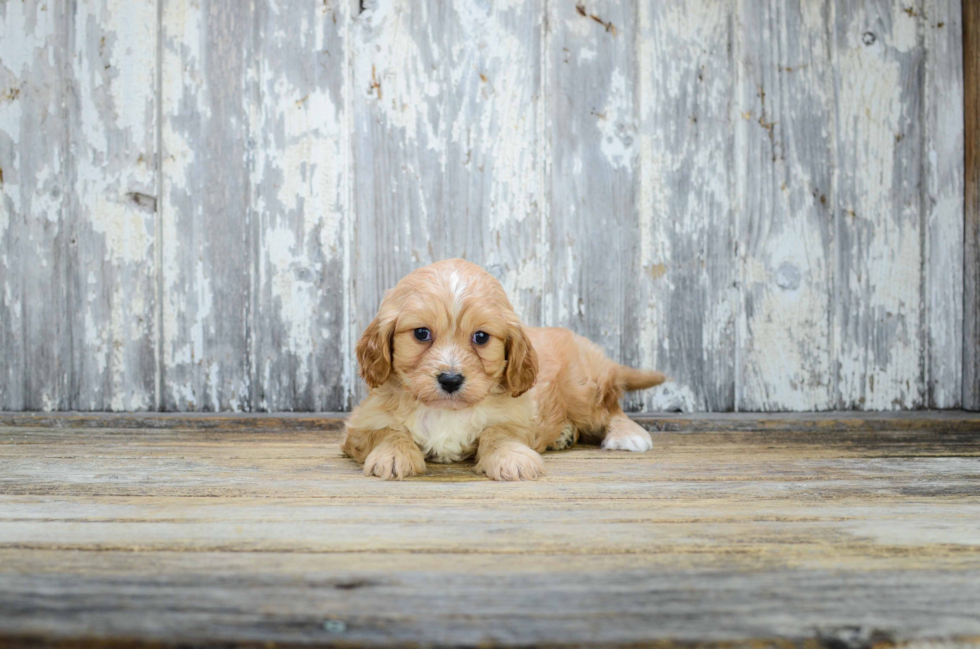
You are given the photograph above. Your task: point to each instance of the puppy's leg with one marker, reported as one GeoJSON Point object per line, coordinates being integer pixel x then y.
{"type": "Point", "coordinates": [386, 453]}
{"type": "Point", "coordinates": [624, 434]}
{"type": "Point", "coordinates": [503, 454]}
{"type": "Point", "coordinates": [566, 438]}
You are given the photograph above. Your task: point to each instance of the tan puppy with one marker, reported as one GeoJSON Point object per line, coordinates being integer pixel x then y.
{"type": "Point", "coordinates": [454, 373]}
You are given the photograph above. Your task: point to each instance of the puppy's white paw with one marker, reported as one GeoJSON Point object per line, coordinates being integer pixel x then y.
{"type": "Point", "coordinates": [565, 439]}
{"type": "Point", "coordinates": [626, 435]}
{"type": "Point", "coordinates": [634, 442]}
{"type": "Point", "coordinates": [512, 462]}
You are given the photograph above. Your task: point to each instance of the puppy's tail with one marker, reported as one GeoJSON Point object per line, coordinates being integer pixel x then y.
{"type": "Point", "coordinates": [633, 379]}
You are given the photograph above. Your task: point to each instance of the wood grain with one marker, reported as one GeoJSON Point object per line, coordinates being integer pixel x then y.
{"type": "Point", "coordinates": [497, 153]}
{"type": "Point", "coordinates": [593, 155]}
{"type": "Point", "coordinates": [299, 207]}
{"type": "Point", "coordinates": [113, 203]}
{"type": "Point", "coordinates": [208, 246]}
{"type": "Point", "coordinates": [786, 236]}
{"type": "Point", "coordinates": [202, 203]}
{"type": "Point", "coordinates": [879, 229]}
{"type": "Point", "coordinates": [971, 240]}
{"type": "Point", "coordinates": [35, 220]}
{"type": "Point", "coordinates": [941, 25]}
{"type": "Point", "coordinates": [263, 535]}
{"type": "Point", "coordinates": [686, 281]}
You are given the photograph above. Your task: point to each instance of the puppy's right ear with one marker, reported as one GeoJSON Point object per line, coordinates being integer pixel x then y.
{"type": "Point", "coordinates": [374, 351]}
{"type": "Point", "coordinates": [522, 361]}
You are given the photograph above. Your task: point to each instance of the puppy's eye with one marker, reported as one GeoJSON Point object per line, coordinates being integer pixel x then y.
{"type": "Point", "coordinates": [481, 338]}
{"type": "Point", "coordinates": [423, 334]}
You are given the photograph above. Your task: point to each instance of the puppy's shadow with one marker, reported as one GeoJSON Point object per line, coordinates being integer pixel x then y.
{"type": "Point", "coordinates": [463, 471]}
{"type": "Point", "coordinates": [454, 472]}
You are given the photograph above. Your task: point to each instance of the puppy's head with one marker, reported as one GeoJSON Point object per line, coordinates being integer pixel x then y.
{"type": "Point", "coordinates": [448, 335]}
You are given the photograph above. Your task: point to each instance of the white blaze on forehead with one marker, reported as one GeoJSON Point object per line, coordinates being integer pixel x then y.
{"type": "Point", "coordinates": [457, 285]}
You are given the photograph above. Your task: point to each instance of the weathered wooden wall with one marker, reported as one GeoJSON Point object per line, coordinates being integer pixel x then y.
{"type": "Point", "coordinates": [203, 201]}
{"type": "Point", "coordinates": [971, 267]}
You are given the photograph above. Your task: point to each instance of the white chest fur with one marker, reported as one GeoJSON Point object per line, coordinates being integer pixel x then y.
{"type": "Point", "coordinates": [447, 435]}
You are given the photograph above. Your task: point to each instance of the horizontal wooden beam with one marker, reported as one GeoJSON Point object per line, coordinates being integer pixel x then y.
{"type": "Point", "coordinates": [942, 420]}
{"type": "Point", "coordinates": [835, 639]}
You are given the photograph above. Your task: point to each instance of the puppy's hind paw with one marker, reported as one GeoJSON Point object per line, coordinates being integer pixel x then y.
{"type": "Point", "coordinates": [394, 462]}
{"type": "Point", "coordinates": [626, 435]}
{"type": "Point", "coordinates": [565, 440]}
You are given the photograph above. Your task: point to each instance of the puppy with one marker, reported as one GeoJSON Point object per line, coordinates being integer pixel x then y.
{"type": "Point", "coordinates": [453, 374]}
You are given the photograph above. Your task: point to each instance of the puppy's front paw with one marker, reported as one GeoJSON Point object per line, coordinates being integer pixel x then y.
{"type": "Point", "coordinates": [627, 435]}
{"type": "Point", "coordinates": [394, 461]}
{"type": "Point", "coordinates": [514, 461]}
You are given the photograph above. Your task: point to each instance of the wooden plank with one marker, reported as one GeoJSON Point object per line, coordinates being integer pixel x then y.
{"type": "Point", "coordinates": [593, 156]}
{"type": "Point", "coordinates": [208, 246]}
{"type": "Point", "coordinates": [688, 288]}
{"type": "Point", "coordinates": [829, 422]}
{"type": "Point", "coordinates": [243, 480]}
{"type": "Point", "coordinates": [336, 569]}
{"type": "Point", "coordinates": [726, 470]}
{"type": "Point", "coordinates": [495, 155]}
{"type": "Point", "coordinates": [844, 531]}
{"type": "Point", "coordinates": [879, 232]}
{"type": "Point", "coordinates": [787, 197]}
{"type": "Point", "coordinates": [398, 143]}
{"type": "Point", "coordinates": [684, 286]}
{"type": "Point", "coordinates": [971, 240]}
{"type": "Point", "coordinates": [299, 207]}
{"type": "Point", "coordinates": [223, 421]}
{"type": "Point", "coordinates": [445, 123]}
{"type": "Point", "coordinates": [113, 201]}
{"type": "Point", "coordinates": [790, 538]}
{"type": "Point", "coordinates": [357, 605]}
{"type": "Point", "coordinates": [312, 446]}
{"type": "Point", "coordinates": [942, 159]}
{"type": "Point", "coordinates": [35, 229]}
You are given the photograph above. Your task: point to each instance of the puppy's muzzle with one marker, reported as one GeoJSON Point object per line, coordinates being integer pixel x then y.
{"type": "Point", "coordinates": [450, 382]}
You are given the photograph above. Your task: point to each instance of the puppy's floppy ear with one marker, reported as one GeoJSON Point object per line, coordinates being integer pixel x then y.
{"type": "Point", "coordinates": [374, 351]}
{"type": "Point", "coordinates": [522, 362]}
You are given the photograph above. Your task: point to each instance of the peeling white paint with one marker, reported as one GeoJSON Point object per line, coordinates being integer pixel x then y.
{"type": "Point", "coordinates": [463, 113]}
{"type": "Point", "coordinates": [389, 69]}
{"type": "Point", "coordinates": [133, 60]}
{"type": "Point", "coordinates": [28, 34]}
{"type": "Point", "coordinates": [684, 94]}
{"type": "Point", "coordinates": [879, 359]}
{"type": "Point", "coordinates": [47, 202]}
{"type": "Point", "coordinates": [672, 397]}
{"type": "Point", "coordinates": [5, 200]}
{"type": "Point", "coordinates": [616, 123]}
{"type": "Point", "coordinates": [128, 235]}
{"type": "Point", "coordinates": [308, 163]}
{"type": "Point", "coordinates": [296, 299]}
{"type": "Point", "coordinates": [904, 23]}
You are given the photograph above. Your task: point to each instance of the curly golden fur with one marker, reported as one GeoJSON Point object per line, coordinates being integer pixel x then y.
{"type": "Point", "coordinates": [455, 374]}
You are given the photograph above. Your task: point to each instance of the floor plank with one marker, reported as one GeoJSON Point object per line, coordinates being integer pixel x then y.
{"type": "Point", "coordinates": [828, 531]}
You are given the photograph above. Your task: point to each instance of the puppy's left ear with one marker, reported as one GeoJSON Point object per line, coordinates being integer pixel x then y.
{"type": "Point", "coordinates": [522, 362]}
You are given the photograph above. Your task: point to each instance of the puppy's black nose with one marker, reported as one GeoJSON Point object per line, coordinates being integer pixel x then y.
{"type": "Point", "coordinates": [450, 382]}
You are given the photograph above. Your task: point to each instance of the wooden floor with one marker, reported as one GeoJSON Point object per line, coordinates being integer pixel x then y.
{"type": "Point", "coordinates": [831, 531]}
